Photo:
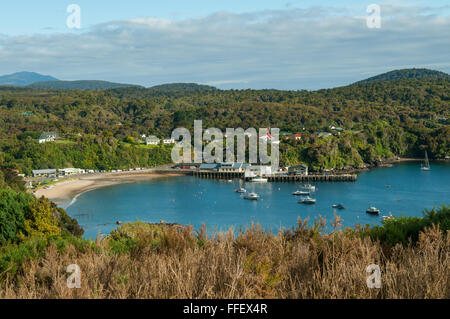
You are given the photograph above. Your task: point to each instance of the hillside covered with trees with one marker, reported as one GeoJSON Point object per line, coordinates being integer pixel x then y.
{"type": "Point", "coordinates": [101, 129]}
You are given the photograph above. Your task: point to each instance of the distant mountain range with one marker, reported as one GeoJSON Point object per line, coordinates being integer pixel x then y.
{"type": "Point", "coordinates": [24, 78]}
{"type": "Point", "coordinates": [79, 85]}
{"type": "Point", "coordinates": [38, 81]}
{"type": "Point", "coordinates": [407, 74]}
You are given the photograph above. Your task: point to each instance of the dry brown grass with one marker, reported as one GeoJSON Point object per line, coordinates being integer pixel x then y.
{"type": "Point", "coordinates": [296, 264]}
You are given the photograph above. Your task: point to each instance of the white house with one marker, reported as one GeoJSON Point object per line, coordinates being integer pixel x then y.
{"type": "Point", "coordinates": [48, 137]}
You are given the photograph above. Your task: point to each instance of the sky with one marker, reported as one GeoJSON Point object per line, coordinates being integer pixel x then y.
{"type": "Point", "coordinates": [290, 44]}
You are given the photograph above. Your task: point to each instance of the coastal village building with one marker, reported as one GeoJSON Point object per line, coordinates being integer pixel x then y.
{"type": "Point", "coordinates": [44, 173]}
{"type": "Point", "coordinates": [298, 137]}
{"type": "Point", "coordinates": [71, 171]}
{"type": "Point", "coordinates": [257, 170]}
{"type": "Point", "coordinates": [48, 137]}
{"type": "Point", "coordinates": [298, 170]}
{"type": "Point", "coordinates": [233, 167]}
{"type": "Point", "coordinates": [152, 140]}
{"type": "Point", "coordinates": [187, 166]}
{"type": "Point", "coordinates": [209, 167]}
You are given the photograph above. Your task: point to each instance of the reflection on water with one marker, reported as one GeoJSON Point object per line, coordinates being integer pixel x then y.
{"type": "Point", "coordinates": [402, 189]}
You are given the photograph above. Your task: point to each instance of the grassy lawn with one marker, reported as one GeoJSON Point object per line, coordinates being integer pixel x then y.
{"type": "Point", "coordinates": [64, 142]}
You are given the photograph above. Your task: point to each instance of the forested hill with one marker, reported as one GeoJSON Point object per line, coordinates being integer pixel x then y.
{"type": "Point", "coordinates": [79, 85]}
{"type": "Point", "coordinates": [101, 129]}
{"type": "Point", "coordinates": [408, 74]}
{"type": "Point", "coordinates": [173, 87]}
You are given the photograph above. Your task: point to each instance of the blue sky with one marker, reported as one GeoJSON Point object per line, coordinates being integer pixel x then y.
{"type": "Point", "coordinates": [291, 44]}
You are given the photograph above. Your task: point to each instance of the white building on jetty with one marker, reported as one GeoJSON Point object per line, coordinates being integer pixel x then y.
{"type": "Point", "coordinates": [257, 170]}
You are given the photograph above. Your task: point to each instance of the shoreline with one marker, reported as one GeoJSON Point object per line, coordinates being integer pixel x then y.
{"type": "Point", "coordinates": [66, 192]}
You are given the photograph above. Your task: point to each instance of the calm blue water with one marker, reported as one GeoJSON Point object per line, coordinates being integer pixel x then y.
{"type": "Point", "coordinates": [188, 200]}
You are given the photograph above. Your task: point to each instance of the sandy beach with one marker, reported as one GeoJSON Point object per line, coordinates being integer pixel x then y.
{"type": "Point", "coordinates": [65, 191]}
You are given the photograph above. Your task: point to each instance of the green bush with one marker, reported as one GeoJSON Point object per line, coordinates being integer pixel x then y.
{"type": "Point", "coordinates": [13, 207]}
{"type": "Point", "coordinates": [406, 229]}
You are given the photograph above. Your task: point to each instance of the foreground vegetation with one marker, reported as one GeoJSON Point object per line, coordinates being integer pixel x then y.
{"type": "Point", "coordinates": [140, 260]}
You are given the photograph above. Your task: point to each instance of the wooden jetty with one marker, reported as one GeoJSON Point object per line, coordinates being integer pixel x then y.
{"type": "Point", "coordinates": [278, 177]}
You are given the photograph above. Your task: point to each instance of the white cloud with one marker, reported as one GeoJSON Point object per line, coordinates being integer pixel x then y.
{"type": "Point", "coordinates": [295, 48]}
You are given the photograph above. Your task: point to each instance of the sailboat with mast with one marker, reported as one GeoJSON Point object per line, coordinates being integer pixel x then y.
{"type": "Point", "coordinates": [426, 166]}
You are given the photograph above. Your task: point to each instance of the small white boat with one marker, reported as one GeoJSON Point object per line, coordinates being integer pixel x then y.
{"type": "Point", "coordinates": [426, 167]}
{"type": "Point", "coordinates": [310, 187]}
{"type": "Point", "coordinates": [259, 180]}
{"type": "Point", "coordinates": [307, 200]}
{"type": "Point", "coordinates": [241, 190]}
{"type": "Point", "coordinates": [388, 217]}
{"type": "Point", "coordinates": [373, 211]}
{"type": "Point", "coordinates": [339, 206]}
{"type": "Point", "coordinates": [301, 193]}
{"type": "Point", "coordinates": [251, 196]}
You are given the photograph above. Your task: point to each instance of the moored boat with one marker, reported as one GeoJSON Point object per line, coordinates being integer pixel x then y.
{"type": "Point", "coordinates": [307, 200]}
{"type": "Point", "coordinates": [241, 190]}
{"type": "Point", "coordinates": [426, 167]}
{"type": "Point", "coordinates": [339, 206]}
{"type": "Point", "coordinates": [301, 193]}
{"type": "Point", "coordinates": [251, 196]}
{"type": "Point", "coordinates": [373, 211]}
{"type": "Point", "coordinates": [259, 180]}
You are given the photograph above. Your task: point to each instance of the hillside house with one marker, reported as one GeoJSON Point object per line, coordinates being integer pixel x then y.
{"type": "Point", "coordinates": [48, 137]}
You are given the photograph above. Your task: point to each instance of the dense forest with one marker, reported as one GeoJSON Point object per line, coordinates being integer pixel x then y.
{"type": "Point", "coordinates": [101, 129]}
